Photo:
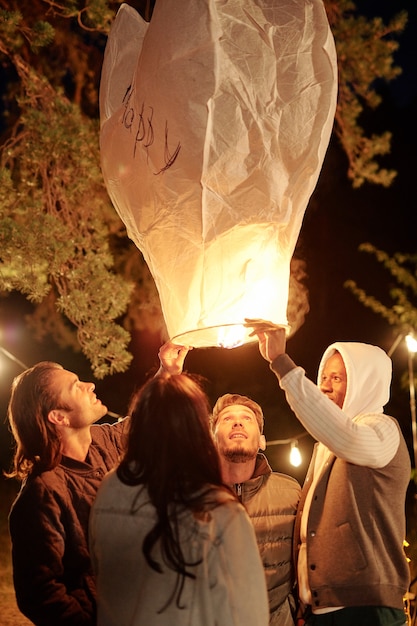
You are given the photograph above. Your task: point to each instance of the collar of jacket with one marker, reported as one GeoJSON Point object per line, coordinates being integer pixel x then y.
{"type": "Point", "coordinates": [248, 489]}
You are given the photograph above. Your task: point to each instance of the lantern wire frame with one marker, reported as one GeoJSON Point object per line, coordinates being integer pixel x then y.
{"type": "Point", "coordinates": [224, 336]}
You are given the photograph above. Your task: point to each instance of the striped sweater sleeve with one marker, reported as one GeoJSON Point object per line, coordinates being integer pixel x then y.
{"type": "Point", "coordinates": [369, 440]}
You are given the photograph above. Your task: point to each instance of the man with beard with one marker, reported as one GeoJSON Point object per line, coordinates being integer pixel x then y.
{"type": "Point", "coordinates": [270, 498]}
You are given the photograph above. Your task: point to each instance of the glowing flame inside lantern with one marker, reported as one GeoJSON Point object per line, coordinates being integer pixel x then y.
{"type": "Point", "coordinates": [210, 157]}
{"type": "Point", "coordinates": [251, 281]}
{"type": "Point", "coordinates": [231, 336]}
{"type": "Point", "coordinates": [227, 336]}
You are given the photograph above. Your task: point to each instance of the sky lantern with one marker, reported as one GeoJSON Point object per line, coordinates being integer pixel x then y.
{"type": "Point", "coordinates": [215, 119]}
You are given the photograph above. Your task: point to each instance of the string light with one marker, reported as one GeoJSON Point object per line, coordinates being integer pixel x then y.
{"type": "Point", "coordinates": [12, 358]}
{"type": "Point", "coordinates": [295, 454]}
{"type": "Point", "coordinates": [411, 343]}
{"type": "Point", "coordinates": [412, 349]}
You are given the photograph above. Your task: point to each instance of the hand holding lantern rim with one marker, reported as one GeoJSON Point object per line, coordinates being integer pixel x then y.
{"type": "Point", "coordinates": [172, 356]}
{"type": "Point", "coordinates": [271, 337]}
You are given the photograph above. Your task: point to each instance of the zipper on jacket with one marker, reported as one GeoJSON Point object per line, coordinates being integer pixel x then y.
{"type": "Point", "coordinates": [238, 489]}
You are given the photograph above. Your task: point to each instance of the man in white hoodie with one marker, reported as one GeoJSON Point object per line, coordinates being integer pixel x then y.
{"type": "Point", "coordinates": [350, 523]}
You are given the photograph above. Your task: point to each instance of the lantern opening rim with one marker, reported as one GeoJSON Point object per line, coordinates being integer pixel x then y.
{"type": "Point", "coordinates": [208, 336]}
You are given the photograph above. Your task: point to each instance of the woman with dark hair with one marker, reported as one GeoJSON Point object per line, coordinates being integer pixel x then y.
{"type": "Point", "coordinates": [170, 544]}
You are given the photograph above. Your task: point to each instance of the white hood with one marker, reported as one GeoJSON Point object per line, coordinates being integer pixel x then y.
{"type": "Point", "coordinates": [369, 372]}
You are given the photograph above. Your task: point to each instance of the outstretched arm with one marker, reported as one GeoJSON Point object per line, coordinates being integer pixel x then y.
{"type": "Point", "coordinates": [370, 441]}
{"type": "Point", "coordinates": [172, 357]}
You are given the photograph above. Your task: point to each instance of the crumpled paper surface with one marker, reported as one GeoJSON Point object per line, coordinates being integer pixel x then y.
{"type": "Point", "coordinates": [215, 119]}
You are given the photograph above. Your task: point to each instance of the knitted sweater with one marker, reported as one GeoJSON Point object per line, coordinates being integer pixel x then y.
{"type": "Point", "coordinates": [351, 520]}
{"type": "Point", "coordinates": [355, 533]}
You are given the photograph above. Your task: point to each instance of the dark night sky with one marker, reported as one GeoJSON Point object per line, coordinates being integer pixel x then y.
{"type": "Point", "coordinates": [337, 220]}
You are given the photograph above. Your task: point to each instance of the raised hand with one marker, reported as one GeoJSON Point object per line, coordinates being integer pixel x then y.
{"type": "Point", "coordinates": [172, 356]}
{"type": "Point", "coordinates": [271, 337]}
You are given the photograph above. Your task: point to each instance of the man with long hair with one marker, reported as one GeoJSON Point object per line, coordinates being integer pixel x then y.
{"type": "Point", "coordinates": [170, 543]}
{"type": "Point", "coordinates": [61, 458]}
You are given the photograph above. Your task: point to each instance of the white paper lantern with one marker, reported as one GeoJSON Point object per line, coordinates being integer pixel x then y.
{"type": "Point", "coordinates": [215, 119]}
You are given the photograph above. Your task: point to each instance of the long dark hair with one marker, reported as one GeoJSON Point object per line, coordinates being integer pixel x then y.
{"type": "Point", "coordinates": [38, 447]}
{"type": "Point", "coordinates": [171, 452]}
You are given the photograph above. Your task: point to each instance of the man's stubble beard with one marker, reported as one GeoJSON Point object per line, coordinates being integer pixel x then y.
{"type": "Point", "coordinates": [239, 455]}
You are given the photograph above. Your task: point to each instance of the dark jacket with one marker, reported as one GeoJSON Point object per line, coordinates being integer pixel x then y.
{"type": "Point", "coordinates": [48, 525]}
{"type": "Point", "coordinates": [271, 501]}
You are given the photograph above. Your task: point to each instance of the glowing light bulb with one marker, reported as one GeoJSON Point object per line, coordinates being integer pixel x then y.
{"type": "Point", "coordinates": [411, 343]}
{"type": "Point", "coordinates": [295, 455]}
{"type": "Point", "coordinates": [231, 336]}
